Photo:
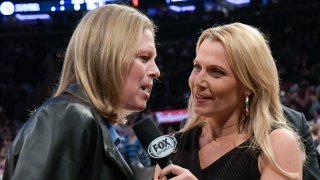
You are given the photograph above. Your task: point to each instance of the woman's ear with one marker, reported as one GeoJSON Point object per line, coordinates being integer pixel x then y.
{"type": "Point", "coordinates": [248, 92]}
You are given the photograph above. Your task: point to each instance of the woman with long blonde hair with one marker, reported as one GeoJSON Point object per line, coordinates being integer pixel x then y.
{"type": "Point", "coordinates": [236, 128]}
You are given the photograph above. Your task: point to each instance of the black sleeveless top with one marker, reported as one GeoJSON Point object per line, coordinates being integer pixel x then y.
{"type": "Point", "coordinates": [237, 164]}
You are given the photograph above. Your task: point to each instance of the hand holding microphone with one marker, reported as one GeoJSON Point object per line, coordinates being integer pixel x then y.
{"type": "Point", "coordinates": [179, 173]}
{"type": "Point", "coordinates": [159, 147]}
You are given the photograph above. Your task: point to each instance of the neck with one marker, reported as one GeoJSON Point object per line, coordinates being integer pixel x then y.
{"type": "Point", "coordinates": [216, 134]}
{"type": "Point", "coordinates": [223, 127]}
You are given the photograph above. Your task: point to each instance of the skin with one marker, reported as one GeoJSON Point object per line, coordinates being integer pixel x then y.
{"type": "Point", "coordinates": [287, 153]}
{"type": "Point", "coordinates": [218, 96]}
{"type": "Point", "coordinates": [142, 71]}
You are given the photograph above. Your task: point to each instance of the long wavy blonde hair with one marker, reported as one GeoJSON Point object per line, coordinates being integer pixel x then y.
{"type": "Point", "coordinates": [249, 56]}
{"type": "Point", "coordinates": [100, 53]}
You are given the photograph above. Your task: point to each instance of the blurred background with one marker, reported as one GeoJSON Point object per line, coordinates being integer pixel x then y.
{"type": "Point", "coordinates": [34, 35]}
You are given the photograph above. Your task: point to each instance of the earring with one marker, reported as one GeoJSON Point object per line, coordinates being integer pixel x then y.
{"type": "Point", "coordinates": [246, 109]}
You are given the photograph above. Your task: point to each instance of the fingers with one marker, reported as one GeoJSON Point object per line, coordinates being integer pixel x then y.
{"type": "Point", "coordinates": [181, 173]}
{"type": "Point", "coordinates": [167, 170]}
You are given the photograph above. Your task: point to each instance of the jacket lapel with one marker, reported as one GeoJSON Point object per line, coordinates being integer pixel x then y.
{"type": "Point", "coordinates": [113, 153]}
{"type": "Point", "coordinates": [110, 148]}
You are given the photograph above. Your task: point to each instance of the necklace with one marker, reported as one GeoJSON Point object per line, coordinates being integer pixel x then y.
{"type": "Point", "coordinates": [217, 139]}
{"type": "Point", "coordinates": [226, 140]}
{"type": "Point", "coordinates": [215, 148]}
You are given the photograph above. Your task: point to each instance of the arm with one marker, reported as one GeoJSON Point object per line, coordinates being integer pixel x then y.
{"type": "Point", "coordinates": [287, 154]}
{"type": "Point", "coordinates": [56, 145]}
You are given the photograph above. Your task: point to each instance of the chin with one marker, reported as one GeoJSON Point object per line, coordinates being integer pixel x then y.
{"type": "Point", "coordinates": [140, 108]}
{"type": "Point", "coordinates": [137, 107]}
{"type": "Point", "coordinates": [200, 112]}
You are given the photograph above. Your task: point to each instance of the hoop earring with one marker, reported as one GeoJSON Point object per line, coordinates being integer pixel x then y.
{"type": "Point", "coordinates": [246, 109]}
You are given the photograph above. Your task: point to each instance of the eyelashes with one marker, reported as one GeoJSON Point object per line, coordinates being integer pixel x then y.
{"type": "Point", "coordinates": [212, 70]}
{"type": "Point", "coordinates": [144, 59]}
{"type": "Point", "coordinates": [217, 72]}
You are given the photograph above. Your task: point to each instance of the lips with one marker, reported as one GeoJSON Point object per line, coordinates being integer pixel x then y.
{"type": "Point", "coordinates": [199, 98]}
{"type": "Point", "coordinates": [147, 88]}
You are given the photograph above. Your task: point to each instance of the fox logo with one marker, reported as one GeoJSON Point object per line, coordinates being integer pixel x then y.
{"type": "Point", "coordinates": [162, 146]}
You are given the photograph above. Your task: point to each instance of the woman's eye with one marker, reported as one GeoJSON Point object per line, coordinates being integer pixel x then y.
{"type": "Point", "coordinates": [217, 72]}
{"type": "Point", "coordinates": [144, 59]}
{"type": "Point", "coordinates": [196, 67]}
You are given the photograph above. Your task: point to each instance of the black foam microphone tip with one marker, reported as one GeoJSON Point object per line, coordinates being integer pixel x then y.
{"type": "Point", "coordinates": [158, 146]}
{"type": "Point", "coordinates": [146, 131]}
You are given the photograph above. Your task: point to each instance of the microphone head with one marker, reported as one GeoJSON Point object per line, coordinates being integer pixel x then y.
{"type": "Point", "coordinates": [146, 131]}
{"type": "Point", "coordinates": [158, 146]}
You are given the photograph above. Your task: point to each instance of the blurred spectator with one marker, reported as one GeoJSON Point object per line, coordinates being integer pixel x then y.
{"type": "Point", "coordinates": [315, 132]}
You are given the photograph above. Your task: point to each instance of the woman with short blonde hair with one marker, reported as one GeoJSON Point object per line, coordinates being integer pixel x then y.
{"type": "Point", "coordinates": [108, 72]}
{"type": "Point", "coordinates": [99, 58]}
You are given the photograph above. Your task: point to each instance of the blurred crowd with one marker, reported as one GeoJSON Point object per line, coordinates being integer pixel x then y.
{"type": "Point", "coordinates": [31, 58]}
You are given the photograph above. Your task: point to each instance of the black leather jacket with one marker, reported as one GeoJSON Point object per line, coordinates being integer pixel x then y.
{"type": "Point", "coordinates": [65, 139]}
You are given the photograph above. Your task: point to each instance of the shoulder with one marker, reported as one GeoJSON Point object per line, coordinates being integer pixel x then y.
{"type": "Point", "coordinates": [298, 120]}
{"type": "Point", "coordinates": [63, 113]}
{"type": "Point", "coordinates": [283, 138]}
{"type": "Point", "coordinates": [291, 112]}
{"type": "Point", "coordinates": [287, 153]}
{"type": "Point", "coordinates": [67, 105]}
{"type": "Point", "coordinates": [188, 139]}
{"type": "Point", "coordinates": [188, 133]}
{"type": "Point", "coordinates": [58, 121]}
{"type": "Point", "coordinates": [293, 116]}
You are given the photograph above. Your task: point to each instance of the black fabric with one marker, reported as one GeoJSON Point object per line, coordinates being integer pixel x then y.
{"type": "Point", "coordinates": [239, 163]}
{"type": "Point", "coordinates": [311, 170]}
{"type": "Point", "coordinates": [65, 139]}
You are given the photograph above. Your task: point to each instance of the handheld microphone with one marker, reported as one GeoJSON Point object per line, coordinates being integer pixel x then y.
{"type": "Point", "coordinates": [158, 146]}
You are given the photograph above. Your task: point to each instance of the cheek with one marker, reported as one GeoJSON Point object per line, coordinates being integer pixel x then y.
{"type": "Point", "coordinates": [136, 74]}
{"type": "Point", "coordinates": [191, 80]}
{"type": "Point", "coordinates": [220, 88]}
{"type": "Point", "coordinates": [127, 90]}
{"type": "Point", "coordinates": [230, 92]}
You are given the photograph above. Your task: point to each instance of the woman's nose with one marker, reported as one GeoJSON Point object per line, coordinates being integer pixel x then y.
{"type": "Point", "coordinates": [199, 83]}
{"type": "Point", "coordinates": [153, 71]}
{"type": "Point", "coordinates": [199, 80]}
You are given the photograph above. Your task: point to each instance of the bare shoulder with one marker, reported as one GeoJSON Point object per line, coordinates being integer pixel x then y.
{"type": "Point", "coordinates": [283, 138]}
{"type": "Point", "coordinates": [287, 152]}
{"type": "Point", "coordinates": [285, 145]}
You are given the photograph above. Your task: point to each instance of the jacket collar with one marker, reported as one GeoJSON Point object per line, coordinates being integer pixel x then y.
{"type": "Point", "coordinates": [110, 149]}
{"type": "Point", "coordinates": [76, 90]}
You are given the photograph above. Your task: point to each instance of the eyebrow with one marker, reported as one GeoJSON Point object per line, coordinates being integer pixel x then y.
{"type": "Point", "coordinates": [211, 66]}
{"type": "Point", "coordinates": [147, 50]}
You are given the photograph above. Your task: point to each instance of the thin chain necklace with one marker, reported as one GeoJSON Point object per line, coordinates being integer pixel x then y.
{"type": "Point", "coordinates": [217, 147]}
{"type": "Point", "coordinates": [217, 139]}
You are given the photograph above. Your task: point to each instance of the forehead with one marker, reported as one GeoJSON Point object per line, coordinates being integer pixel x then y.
{"type": "Point", "coordinates": [147, 40]}
{"type": "Point", "coordinates": [212, 52]}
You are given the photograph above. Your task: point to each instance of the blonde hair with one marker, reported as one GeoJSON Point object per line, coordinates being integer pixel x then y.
{"type": "Point", "coordinates": [100, 53]}
{"type": "Point", "coordinates": [249, 56]}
